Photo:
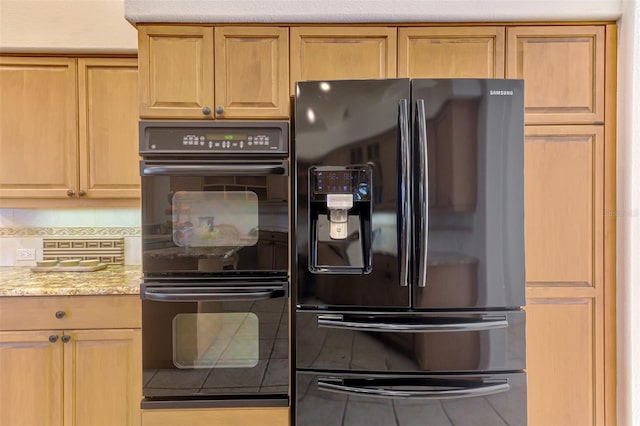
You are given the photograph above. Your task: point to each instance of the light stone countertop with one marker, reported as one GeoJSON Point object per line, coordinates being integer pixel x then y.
{"type": "Point", "coordinates": [113, 280]}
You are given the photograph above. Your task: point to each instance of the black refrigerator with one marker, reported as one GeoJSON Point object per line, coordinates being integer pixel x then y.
{"type": "Point", "coordinates": [408, 252]}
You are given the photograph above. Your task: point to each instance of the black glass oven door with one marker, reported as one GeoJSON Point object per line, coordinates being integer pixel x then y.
{"type": "Point", "coordinates": [214, 343]}
{"type": "Point", "coordinates": [214, 219]}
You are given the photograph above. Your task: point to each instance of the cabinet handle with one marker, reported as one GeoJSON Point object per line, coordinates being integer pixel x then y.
{"type": "Point", "coordinates": [82, 193]}
{"type": "Point", "coordinates": [53, 338]}
{"type": "Point", "coordinates": [60, 314]}
{"type": "Point", "coordinates": [219, 109]}
{"type": "Point", "coordinates": [70, 192]}
{"type": "Point", "coordinates": [65, 338]}
{"type": "Point", "coordinates": [206, 110]}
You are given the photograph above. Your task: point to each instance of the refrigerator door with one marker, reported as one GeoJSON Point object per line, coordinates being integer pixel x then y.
{"type": "Point", "coordinates": [331, 399]}
{"type": "Point", "coordinates": [351, 193]}
{"type": "Point", "coordinates": [409, 342]}
{"type": "Point", "coordinates": [468, 167]}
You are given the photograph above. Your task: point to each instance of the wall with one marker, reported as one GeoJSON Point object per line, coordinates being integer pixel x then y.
{"type": "Point", "coordinates": [76, 26]}
{"type": "Point", "coordinates": [98, 25]}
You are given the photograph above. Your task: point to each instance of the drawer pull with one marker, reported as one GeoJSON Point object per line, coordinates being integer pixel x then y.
{"type": "Point", "coordinates": [60, 314]}
{"type": "Point", "coordinates": [53, 338]}
{"type": "Point", "coordinates": [65, 338]}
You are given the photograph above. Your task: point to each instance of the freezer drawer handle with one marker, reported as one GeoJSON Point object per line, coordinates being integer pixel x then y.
{"type": "Point", "coordinates": [335, 385]}
{"type": "Point", "coordinates": [215, 169]}
{"type": "Point", "coordinates": [487, 323]}
{"type": "Point", "coordinates": [191, 294]}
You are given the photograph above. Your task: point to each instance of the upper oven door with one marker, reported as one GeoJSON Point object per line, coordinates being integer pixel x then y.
{"type": "Point", "coordinates": [214, 218]}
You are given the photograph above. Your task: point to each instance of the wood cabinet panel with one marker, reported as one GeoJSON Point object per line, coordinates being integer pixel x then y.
{"type": "Point", "coordinates": [563, 205]}
{"type": "Point", "coordinates": [38, 135]}
{"type": "Point", "coordinates": [31, 384]}
{"type": "Point", "coordinates": [331, 53]}
{"type": "Point", "coordinates": [176, 71]}
{"type": "Point", "coordinates": [217, 417]}
{"type": "Point", "coordinates": [252, 72]}
{"type": "Point", "coordinates": [563, 68]}
{"type": "Point", "coordinates": [108, 127]}
{"type": "Point", "coordinates": [562, 363]}
{"type": "Point", "coordinates": [103, 380]}
{"type": "Point", "coordinates": [78, 312]}
{"type": "Point", "coordinates": [446, 52]}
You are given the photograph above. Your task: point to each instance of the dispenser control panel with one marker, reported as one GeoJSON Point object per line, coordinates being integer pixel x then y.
{"type": "Point", "coordinates": [355, 180]}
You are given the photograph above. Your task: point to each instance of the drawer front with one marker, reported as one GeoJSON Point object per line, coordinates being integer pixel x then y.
{"type": "Point", "coordinates": [445, 341]}
{"type": "Point", "coordinates": [70, 312]}
{"type": "Point", "coordinates": [331, 399]}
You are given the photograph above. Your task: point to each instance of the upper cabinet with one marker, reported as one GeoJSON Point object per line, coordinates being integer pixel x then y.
{"type": "Point", "coordinates": [252, 72]}
{"type": "Point", "coordinates": [69, 129]}
{"type": "Point", "coordinates": [176, 71]}
{"type": "Point", "coordinates": [451, 52]}
{"type": "Point", "coordinates": [178, 78]}
{"type": "Point", "coordinates": [563, 68]}
{"type": "Point", "coordinates": [332, 53]}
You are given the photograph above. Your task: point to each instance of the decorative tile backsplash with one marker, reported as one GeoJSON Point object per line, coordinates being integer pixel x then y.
{"type": "Point", "coordinates": [29, 228]}
{"type": "Point", "coordinates": [107, 250]}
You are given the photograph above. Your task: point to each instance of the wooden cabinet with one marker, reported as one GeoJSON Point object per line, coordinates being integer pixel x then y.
{"type": "Point", "coordinates": [108, 128]}
{"type": "Point", "coordinates": [217, 417]}
{"type": "Point", "coordinates": [70, 360]}
{"type": "Point", "coordinates": [447, 52]}
{"type": "Point", "coordinates": [252, 72]}
{"type": "Point", "coordinates": [332, 53]}
{"type": "Point", "coordinates": [69, 129]}
{"type": "Point", "coordinates": [178, 78]}
{"type": "Point", "coordinates": [564, 72]}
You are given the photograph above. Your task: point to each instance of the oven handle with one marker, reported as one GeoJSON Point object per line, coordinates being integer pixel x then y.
{"type": "Point", "coordinates": [191, 294]}
{"type": "Point", "coordinates": [216, 169]}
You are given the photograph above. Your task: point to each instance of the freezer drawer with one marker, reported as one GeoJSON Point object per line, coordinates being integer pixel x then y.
{"type": "Point", "coordinates": [409, 342]}
{"type": "Point", "coordinates": [330, 399]}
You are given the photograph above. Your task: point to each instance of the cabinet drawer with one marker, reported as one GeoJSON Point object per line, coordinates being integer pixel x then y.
{"type": "Point", "coordinates": [217, 416]}
{"type": "Point", "coordinates": [75, 312]}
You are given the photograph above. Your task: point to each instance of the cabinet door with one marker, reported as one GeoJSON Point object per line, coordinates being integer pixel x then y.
{"type": "Point", "coordinates": [176, 71]}
{"type": "Point", "coordinates": [108, 128]}
{"type": "Point", "coordinates": [217, 417]}
{"type": "Point", "coordinates": [451, 52]}
{"type": "Point", "coordinates": [38, 134]}
{"type": "Point", "coordinates": [565, 215]}
{"type": "Point", "coordinates": [563, 69]}
{"type": "Point", "coordinates": [31, 383]}
{"type": "Point", "coordinates": [103, 377]}
{"type": "Point", "coordinates": [252, 72]}
{"type": "Point", "coordinates": [332, 53]}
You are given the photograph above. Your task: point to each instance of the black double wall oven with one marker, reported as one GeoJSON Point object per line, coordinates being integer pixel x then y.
{"type": "Point", "coordinates": [215, 263]}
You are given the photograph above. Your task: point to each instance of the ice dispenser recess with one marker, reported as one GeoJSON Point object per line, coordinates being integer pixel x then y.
{"type": "Point", "coordinates": [340, 219]}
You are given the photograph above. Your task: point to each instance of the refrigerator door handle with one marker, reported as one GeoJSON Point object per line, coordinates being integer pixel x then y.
{"type": "Point", "coordinates": [423, 191]}
{"type": "Point", "coordinates": [405, 195]}
{"type": "Point", "coordinates": [485, 323]}
{"type": "Point", "coordinates": [431, 392]}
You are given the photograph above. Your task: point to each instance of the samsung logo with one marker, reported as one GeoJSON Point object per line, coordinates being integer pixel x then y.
{"type": "Point", "coordinates": [501, 92]}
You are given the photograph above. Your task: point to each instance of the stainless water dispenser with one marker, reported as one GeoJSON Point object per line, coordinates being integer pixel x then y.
{"type": "Point", "coordinates": [340, 217]}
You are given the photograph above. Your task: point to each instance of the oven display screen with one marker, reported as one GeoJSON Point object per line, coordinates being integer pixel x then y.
{"type": "Point", "coordinates": [226, 137]}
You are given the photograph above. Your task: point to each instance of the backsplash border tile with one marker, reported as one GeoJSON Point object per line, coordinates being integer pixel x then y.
{"type": "Point", "coordinates": [20, 231]}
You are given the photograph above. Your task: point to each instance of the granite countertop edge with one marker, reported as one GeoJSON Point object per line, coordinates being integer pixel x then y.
{"type": "Point", "coordinates": [113, 280]}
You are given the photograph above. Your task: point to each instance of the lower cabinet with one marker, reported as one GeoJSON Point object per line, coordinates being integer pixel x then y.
{"type": "Point", "coordinates": [70, 377]}
{"type": "Point", "coordinates": [217, 417]}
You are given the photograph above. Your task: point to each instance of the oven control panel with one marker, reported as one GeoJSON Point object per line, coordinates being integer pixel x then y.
{"type": "Point", "coordinates": [223, 137]}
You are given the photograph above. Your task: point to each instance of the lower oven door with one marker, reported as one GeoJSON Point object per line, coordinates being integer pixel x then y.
{"type": "Point", "coordinates": [214, 345]}
{"type": "Point", "coordinates": [331, 399]}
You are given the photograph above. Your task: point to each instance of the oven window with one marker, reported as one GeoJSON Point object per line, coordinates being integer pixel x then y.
{"type": "Point", "coordinates": [216, 340]}
{"type": "Point", "coordinates": [215, 219]}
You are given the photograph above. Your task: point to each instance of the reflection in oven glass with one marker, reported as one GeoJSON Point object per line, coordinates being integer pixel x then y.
{"type": "Point", "coordinates": [269, 374]}
{"type": "Point", "coordinates": [206, 340]}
